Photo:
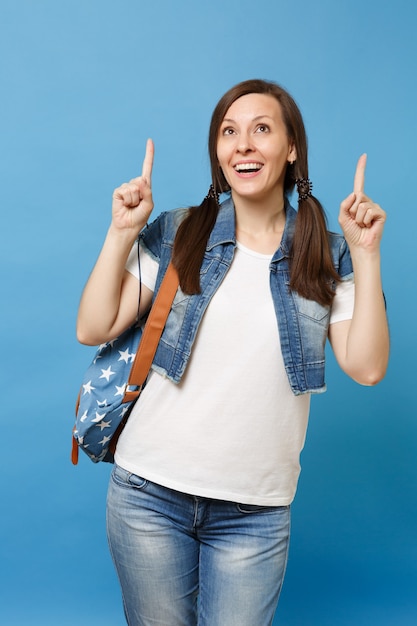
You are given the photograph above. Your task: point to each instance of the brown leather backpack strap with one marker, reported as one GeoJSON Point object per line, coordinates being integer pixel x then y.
{"type": "Point", "coordinates": [152, 332]}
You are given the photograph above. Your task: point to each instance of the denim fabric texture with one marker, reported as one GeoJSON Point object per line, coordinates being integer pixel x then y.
{"type": "Point", "coordinates": [303, 324]}
{"type": "Point", "coordinates": [184, 560]}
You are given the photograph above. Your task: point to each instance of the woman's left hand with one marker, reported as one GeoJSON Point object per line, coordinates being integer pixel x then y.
{"type": "Point", "coordinates": [361, 220]}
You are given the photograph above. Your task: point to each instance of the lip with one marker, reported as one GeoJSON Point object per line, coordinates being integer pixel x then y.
{"type": "Point", "coordinates": [250, 173]}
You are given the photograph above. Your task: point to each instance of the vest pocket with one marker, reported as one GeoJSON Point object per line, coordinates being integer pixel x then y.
{"type": "Point", "coordinates": [311, 309]}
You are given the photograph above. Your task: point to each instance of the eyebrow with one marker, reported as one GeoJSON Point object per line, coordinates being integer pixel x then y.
{"type": "Point", "coordinates": [255, 119]}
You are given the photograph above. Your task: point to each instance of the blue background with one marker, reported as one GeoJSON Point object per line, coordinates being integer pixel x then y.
{"type": "Point", "coordinates": [83, 84]}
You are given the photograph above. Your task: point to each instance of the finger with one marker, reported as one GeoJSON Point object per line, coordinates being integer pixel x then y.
{"type": "Point", "coordinates": [148, 161]}
{"type": "Point", "coordinates": [359, 213]}
{"type": "Point", "coordinates": [369, 213]}
{"type": "Point", "coordinates": [128, 194]}
{"type": "Point", "coordinates": [347, 203]}
{"type": "Point", "coordinates": [359, 180]}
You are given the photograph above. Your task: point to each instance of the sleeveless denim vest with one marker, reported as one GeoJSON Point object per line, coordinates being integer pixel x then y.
{"type": "Point", "coordinates": [303, 324]}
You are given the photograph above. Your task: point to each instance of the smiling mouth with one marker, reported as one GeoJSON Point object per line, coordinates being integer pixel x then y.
{"type": "Point", "coordinates": [247, 168]}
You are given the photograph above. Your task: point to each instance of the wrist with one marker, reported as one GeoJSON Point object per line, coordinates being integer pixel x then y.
{"type": "Point", "coordinates": [367, 271]}
{"type": "Point", "coordinates": [123, 236]}
{"type": "Point", "coordinates": [365, 256]}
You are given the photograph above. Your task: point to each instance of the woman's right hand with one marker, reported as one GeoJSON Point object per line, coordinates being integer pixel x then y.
{"type": "Point", "coordinates": [132, 202]}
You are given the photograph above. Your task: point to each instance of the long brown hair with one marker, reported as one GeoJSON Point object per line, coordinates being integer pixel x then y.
{"type": "Point", "coordinates": [311, 269]}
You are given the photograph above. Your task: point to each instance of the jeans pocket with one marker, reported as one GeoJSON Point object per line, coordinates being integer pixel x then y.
{"type": "Point", "coordinates": [123, 478]}
{"type": "Point", "coordinates": [248, 509]}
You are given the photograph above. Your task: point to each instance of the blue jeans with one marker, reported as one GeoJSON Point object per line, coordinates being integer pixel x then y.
{"type": "Point", "coordinates": [184, 560]}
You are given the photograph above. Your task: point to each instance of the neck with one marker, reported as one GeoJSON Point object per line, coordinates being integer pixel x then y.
{"type": "Point", "coordinates": [259, 218]}
{"type": "Point", "coordinates": [260, 227]}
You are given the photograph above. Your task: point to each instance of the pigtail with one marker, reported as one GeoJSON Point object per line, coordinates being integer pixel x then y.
{"type": "Point", "coordinates": [191, 242]}
{"type": "Point", "coordinates": [312, 273]}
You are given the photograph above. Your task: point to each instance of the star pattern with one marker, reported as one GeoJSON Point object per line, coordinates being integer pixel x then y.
{"type": "Point", "coordinates": [101, 407]}
{"type": "Point", "coordinates": [88, 388]}
{"type": "Point", "coordinates": [126, 356]}
{"type": "Point", "coordinates": [98, 417]}
{"type": "Point", "coordinates": [105, 440]}
{"type": "Point", "coordinates": [107, 373]}
{"type": "Point", "coordinates": [120, 391]}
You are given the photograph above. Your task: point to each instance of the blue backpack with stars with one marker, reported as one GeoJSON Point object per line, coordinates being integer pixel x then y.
{"type": "Point", "coordinates": [116, 377]}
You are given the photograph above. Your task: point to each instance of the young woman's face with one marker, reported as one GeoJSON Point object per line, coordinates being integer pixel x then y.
{"type": "Point", "coordinates": [253, 149]}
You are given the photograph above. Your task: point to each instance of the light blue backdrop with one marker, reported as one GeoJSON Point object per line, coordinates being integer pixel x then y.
{"type": "Point", "coordinates": [83, 84]}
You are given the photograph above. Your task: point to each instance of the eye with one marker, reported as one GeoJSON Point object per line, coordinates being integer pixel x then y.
{"type": "Point", "coordinates": [262, 128]}
{"type": "Point", "coordinates": [228, 130]}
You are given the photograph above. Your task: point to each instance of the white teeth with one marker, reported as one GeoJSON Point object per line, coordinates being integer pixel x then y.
{"type": "Point", "coordinates": [243, 167]}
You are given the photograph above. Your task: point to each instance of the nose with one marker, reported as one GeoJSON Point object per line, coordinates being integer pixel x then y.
{"type": "Point", "coordinates": [244, 145]}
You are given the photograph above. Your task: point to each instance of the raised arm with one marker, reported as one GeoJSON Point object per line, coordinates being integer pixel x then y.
{"type": "Point", "coordinates": [109, 303]}
{"type": "Point", "coordinates": [361, 345]}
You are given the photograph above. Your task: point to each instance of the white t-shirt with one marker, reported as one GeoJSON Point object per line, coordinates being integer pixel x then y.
{"type": "Point", "coordinates": [231, 429]}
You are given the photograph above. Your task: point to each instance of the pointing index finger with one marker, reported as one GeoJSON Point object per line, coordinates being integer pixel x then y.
{"type": "Point", "coordinates": [148, 161]}
{"type": "Point", "coordinates": [359, 180]}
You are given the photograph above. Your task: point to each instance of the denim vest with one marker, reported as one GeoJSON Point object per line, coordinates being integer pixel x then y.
{"type": "Point", "coordinates": [303, 324]}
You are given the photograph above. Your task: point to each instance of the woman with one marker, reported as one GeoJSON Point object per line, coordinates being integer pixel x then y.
{"type": "Point", "coordinates": [207, 466]}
